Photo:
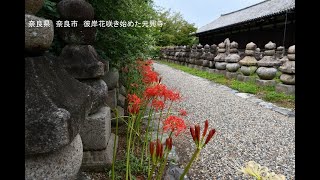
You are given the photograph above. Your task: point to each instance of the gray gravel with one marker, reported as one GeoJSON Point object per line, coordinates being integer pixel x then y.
{"type": "Point", "coordinates": [246, 131]}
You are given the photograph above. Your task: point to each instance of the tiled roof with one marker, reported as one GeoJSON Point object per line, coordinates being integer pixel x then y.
{"type": "Point", "coordinates": [256, 11]}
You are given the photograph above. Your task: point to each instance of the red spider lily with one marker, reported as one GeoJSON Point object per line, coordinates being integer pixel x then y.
{"type": "Point", "coordinates": [172, 95]}
{"type": "Point", "coordinates": [157, 104]}
{"type": "Point", "coordinates": [150, 76]}
{"type": "Point", "coordinates": [149, 62]}
{"type": "Point", "coordinates": [174, 123]}
{"type": "Point", "coordinates": [155, 91]}
{"type": "Point", "coordinates": [134, 104]}
{"type": "Point", "coordinates": [169, 143]}
{"type": "Point", "coordinates": [182, 112]}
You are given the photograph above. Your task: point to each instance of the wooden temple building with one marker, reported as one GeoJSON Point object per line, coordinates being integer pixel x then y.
{"type": "Point", "coordinates": [269, 20]}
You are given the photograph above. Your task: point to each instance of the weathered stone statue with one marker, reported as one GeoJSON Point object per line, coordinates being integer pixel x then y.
{"type": "Point", "coordinates": [280, 55]}
{"type": "Point", "coordinates": [249, 62]}
{"type": "Point", "coordinates": [232, 60]}
{"type": "Point", "coordinates": [187, 55]}
{"type": "Point", "coordinates": [212, 55]}
{"type": "Point", "coordinates": [205, 55]}
{"type": "Point", "coordinates": [176, 54]}
{"type": "Point", "coordinates": [219, 60]}
{"type": "Point", "coordinates": [193, 56]}
{"type": "Point", "coordinates": [288, 73]}
{"type": "Point", "coordinates": [258, 54]}
{"type": "Point", "coordinates": [172, 53]}
{"type": "Point", "coordinates": [199, 53]}
{"type": "Point", "coordinates": [81, 61]}
{"type": "Point", "coordinates": [280, 52]}
{"type": "Point", "coordinates": [267, 64]}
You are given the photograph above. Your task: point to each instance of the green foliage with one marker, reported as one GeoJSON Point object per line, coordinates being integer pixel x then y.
{"type": "Point", "coordinates": [124, 44]}
{"type": "Point", "coordinates": [175, 30]}
{"type": "Point", "coordinates": [247, 87]}
{"type": "Point", "coordinates": [49, 10]}
{"type": "Point", "coordinates": [120, 167]}
{"type": "Point", "coordinates": [132, 79]}
{"type": "Point", "coordinates": [275, 96]}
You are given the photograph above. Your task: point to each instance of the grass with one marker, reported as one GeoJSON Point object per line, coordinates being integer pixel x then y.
{"type": "Point", "coordinates": [266, 93]}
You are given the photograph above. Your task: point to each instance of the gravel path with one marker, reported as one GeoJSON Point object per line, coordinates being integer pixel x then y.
{"type": "Point", "coordinates": [245, 130]}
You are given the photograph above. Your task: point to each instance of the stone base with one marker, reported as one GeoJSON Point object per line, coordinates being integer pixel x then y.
{"type": "Point", "coordinates": [197, 67]}
{"type": "Point", "coordinates": [97, 161]}
{"type": "Point", "coordinates": [211, 70]}
{"type": "Point", "coordinates": [262, 82]}
{"type": "Point", "coordinates": [204, 68]}
{"type": "Point", "coordinates": [241, 77]}
{"type": "Point", "coordinates": [112, 98]}
{"type": "Point", "coordinates": [287, 89]}
{"type": "Point", "coordinates": [223, 72]}
{"type": "Point", "coordinates": [191, 65]}
{"type": "Point", "coordinates": [62, 164]}
{"type": "Point", "coordinates": [232, 75]}
{"type": "Point", "coordinates": [96, 130]}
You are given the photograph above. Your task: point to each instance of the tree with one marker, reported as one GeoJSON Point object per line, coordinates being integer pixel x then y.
{"type": "Point", "coordinates": [175, 30]}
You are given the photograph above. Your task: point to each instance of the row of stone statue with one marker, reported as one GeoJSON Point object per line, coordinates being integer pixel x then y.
{"type": "Point", "coordinates": [226, 57]}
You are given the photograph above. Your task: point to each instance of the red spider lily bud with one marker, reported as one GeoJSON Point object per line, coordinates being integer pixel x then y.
{"type": "Point", "coordinates": [169, 143]}
{"type": "Point", "coordinates": [193, 134]}
{"type": "Point", "coordinates": [159, 148]}
{"type": "Point", "coordinates": [206, 125]}
{"type": "Point", "coordinates": [151, 146]}
{"type": "Point", "coordinates": [197, 128]}
{"type": "Point", "coordinates": [211, 133]}
{"type": "Point", "coordinates": [161, 151]}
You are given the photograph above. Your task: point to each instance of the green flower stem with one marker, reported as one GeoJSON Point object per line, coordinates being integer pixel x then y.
{"type": "Point", "coordinates": [194, 156]}
{"type": "Point", "coordinates": [146, 137]}
{"type": "Point", "coordinates": [149, 158]}
{"type": "Point", "coordinates": [128, 146]}
{"type": "Point", "coordinates": [154, 116]}
{"type": "Point", "coordinates": [151, 172]}
{"type": "Point", "coordinates": [159, 124]}
{"type": "Point", "coordinates": [137, 125]}
{"type": "Point", "coordinates": [163, 164]}
{"type": "Point", "coordinates": [114, 145]}
{"type": "Point", "coordinates": [169, 109]}
{"type": "Point", "coordinates": [167, 116]}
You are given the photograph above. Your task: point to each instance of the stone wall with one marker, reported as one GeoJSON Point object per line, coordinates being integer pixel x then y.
{"type": "Point", "coordinates": [250, 64]}
{"type": "Point", "coordinates": [67, 98]}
